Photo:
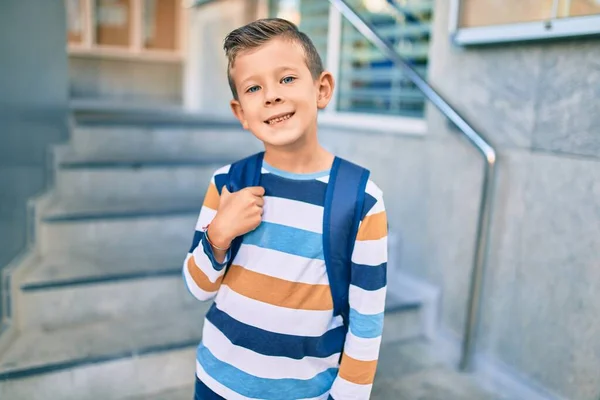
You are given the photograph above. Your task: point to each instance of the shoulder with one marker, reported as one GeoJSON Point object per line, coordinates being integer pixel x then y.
{"type": "Point", "coordinates": [221, 172]}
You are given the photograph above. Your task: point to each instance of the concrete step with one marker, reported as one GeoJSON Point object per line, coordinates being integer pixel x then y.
{"type": "Point", "coordinates": [403, 318]}
{"type": "Point", "coordinates": [415, 369]}
{"type": "Point", "coordinates": [120, 178]}
{"type": "Point", "coordinates": [102, 140]}
{"type": "Point", "coordinates": [182, 393]}
{"type": "Point", "coordinates": [70, 225]}
{"type": "Point", "coordinates": [104, 360]}
{"type": "Point", "coordinates": [83, 287]}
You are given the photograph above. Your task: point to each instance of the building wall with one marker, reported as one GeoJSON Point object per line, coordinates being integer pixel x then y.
{"type": "Point", "coordinates": [140, 81]}
{"type": "Point", "coordinates": [538, 103]}
{"type": "Point", "coordinates": [33, 108]}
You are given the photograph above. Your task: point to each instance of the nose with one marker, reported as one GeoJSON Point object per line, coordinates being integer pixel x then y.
{"type": "Point", "coordinates": [271, 97]}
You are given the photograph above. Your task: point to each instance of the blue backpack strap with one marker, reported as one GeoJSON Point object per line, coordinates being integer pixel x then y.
{"type": "Point", "coordinates": [243, 174]}
{"type": "Point", "coordinates": [344, 200]}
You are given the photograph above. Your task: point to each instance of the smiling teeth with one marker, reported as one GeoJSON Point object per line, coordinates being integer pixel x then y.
{"type": "Point", "coordinates": [276, 120]}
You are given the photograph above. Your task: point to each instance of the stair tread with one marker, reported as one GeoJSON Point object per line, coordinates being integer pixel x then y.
{"type": "Point", "coordinates": [100, 265]}
{"type": "Point", "coordinates": [73, 159]}
{"type": "Point", "coordinates": [73, 208]}
{"type": "Point", "coordinates": [42, 351]}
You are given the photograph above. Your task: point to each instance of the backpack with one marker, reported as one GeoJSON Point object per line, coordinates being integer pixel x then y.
{"type": "Point", "coordinates": [344, 200]}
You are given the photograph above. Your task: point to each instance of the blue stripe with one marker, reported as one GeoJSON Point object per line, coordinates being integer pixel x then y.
{"type": "Point", "coordinates": [369, 277]}
{"type": "Point", "coordinates": [307, 191]}
{"type": "Point", "coordinates": [264, 388]}
{"type": "Point", "coordinates": [366, 326]}
{"type": "Point", "coordinates": [276, 344]}
{"type": "Point", "coordinates": [370, 201]}
{"type": "Point", "coordinates": [312, 192]}
{"type": "Point", "coordinates": [287, 240]}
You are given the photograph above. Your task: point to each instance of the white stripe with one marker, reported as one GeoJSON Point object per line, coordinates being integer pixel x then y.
{"type": "Point", "coordinates": [205, 218]}
{"type": "Point", "coordinates": [228, 393]}
{"type": "Point", "coordinates": [373, 190]}
{"type": "Point", "coordinates": [367, 302]}
{"type": "Point", "coordinates": [282, 265]}
{"type": "Point", "coordinates": [215, 386]}
{"type": "Point", "coordinates": [342, 389]}
{"type": "Point", "coordinates": [198, 293]}
{"type": "Point", "coordinates": [293, 213]}
{"type": "Point", "coordinates": [361, 348]}
{"type": "Point", "coordinates": [324, 179]}
{"type": "Point", "coordinates": [203, 262]}
{"type": "Point", "coordinates": [272, 318]}
{"type": "Point", "coordinates": [260, 365]}
{"type": "Point", "coordinates": [370, 252]}
{"type": "Point", "coordinates": [222, 170]}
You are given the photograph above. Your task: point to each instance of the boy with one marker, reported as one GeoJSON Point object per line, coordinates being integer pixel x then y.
{"type": "Point", "coordinates": [271, 333]}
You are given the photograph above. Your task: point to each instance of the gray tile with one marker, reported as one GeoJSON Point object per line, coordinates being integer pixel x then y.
{"type": "Point", "coordinates": [494, 87]}
{"type": "Point", "coordinates": [569, 99]}
{"type": "Point", "coordinates": [559, 276]}
{"type": "Point", "coordinates": [452, 203]}
{"type": "Point", "coordinates": [499, 333]}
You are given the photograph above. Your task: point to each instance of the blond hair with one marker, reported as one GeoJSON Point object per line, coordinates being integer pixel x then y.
{"type": "Point", "coordinates": [259, 32]}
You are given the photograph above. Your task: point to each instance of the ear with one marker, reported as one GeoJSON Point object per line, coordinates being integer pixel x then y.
{"type": "Point", "coordinates": [325, 85]}
{"type": "Point", "coordinates": [237, 110]}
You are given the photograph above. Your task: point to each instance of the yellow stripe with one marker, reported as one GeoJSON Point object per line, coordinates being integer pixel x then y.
{"type": "Point", "coordinates": [200, 278]}
{"type": "Point", "coordinates": [373, 227]}
{"type": "Point", "coordinates": [357, 371]}
{"type": "Point", "coordinates": [278, 292]}
{"type": "Point", "coordinates": [211, 199]}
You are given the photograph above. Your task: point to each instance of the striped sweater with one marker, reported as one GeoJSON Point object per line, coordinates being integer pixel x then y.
{"type": "Point", "coordinates": [271, 333]}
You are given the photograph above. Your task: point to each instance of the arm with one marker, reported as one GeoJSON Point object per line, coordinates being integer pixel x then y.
{"type": "Point", "coordinates": [204, 267]}
{"type": "Point", "coordinates": [367, 303]}
{"type": "Point", "coordinates": [230, 215]}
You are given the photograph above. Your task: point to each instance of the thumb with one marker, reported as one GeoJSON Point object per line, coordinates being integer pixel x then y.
{"type": "Point", "coordinates": [225, 192]}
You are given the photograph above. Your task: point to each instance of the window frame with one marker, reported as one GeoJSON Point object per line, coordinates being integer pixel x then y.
{"type": "Point", "coordinates": [136, 49]}
{"type": "Point", "coordinates": [552, 28]}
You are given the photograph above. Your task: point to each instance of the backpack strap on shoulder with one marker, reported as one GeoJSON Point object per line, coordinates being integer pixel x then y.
{"type": "Point", "coordinates": [242, 174]}
{"type": "Point", "coordinates": [344, 200]}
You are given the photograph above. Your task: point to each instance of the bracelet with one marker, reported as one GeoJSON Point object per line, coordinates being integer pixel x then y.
{"type": "Point", "coordinates": [211, 243]}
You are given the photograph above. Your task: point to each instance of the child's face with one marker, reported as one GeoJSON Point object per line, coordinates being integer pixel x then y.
{"type": "Point", "coordinates": [274, 81]}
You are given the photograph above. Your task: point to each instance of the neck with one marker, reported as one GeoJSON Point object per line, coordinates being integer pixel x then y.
{"type": "Point", "coordinates": [300, 158]}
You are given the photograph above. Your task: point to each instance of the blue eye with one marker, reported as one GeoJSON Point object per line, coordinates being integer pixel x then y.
{"type": "Point", "coordinates": [288, 79]}
{"type": "Point", "coordinates": [253, 89]}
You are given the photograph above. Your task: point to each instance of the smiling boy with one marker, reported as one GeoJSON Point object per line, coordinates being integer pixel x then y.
{"type": "Point", "coordinates": [272, 332]}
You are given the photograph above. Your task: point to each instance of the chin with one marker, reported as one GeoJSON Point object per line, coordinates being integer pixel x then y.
{"type": "Point", "coordinates": [279, 139]}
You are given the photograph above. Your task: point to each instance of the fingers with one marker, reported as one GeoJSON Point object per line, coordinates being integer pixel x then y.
{"type": "Point", "coordinates": [259, 201]}
{"type": "Point", "coordinates": [256, 190]}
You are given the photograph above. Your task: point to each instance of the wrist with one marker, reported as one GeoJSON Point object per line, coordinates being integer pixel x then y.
{"type": "Point", "coordinates": [217, 237]}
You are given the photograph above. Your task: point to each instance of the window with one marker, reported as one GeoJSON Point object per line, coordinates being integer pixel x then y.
{"type": "Point", "coordinates": [492, 21]}
{"type": "Point", "coordinates": [367, 81]}
{"type": "Point", "coordinates": [140, 29]}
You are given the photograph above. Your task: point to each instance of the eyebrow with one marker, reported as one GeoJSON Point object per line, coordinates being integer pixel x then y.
{"type": "Point", "coordinates": [277, 71]}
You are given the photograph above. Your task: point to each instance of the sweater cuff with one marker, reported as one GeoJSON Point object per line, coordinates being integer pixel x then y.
{"type": "Point", "coordinates": [208, 250]}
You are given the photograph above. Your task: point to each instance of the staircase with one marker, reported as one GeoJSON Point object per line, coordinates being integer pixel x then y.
{"type": "Point", "coordinates": [101, 310]}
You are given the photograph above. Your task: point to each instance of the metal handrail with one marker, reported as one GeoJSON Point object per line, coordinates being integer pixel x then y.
{"type": "Point", "coordinates": [477, 140]}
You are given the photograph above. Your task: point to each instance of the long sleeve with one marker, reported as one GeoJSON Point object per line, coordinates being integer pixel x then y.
{"type": "Point", "coordinates": [367, 303]}
{"type": "Point", "coordinates": [201, 272]}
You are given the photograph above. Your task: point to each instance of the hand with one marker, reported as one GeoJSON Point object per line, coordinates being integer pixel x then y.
{"type": "Point", "coordinates": [238, 214]}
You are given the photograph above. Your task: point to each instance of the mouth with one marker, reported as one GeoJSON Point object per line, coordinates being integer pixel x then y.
{"type": "Point", "coordinates": [279, 118]}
